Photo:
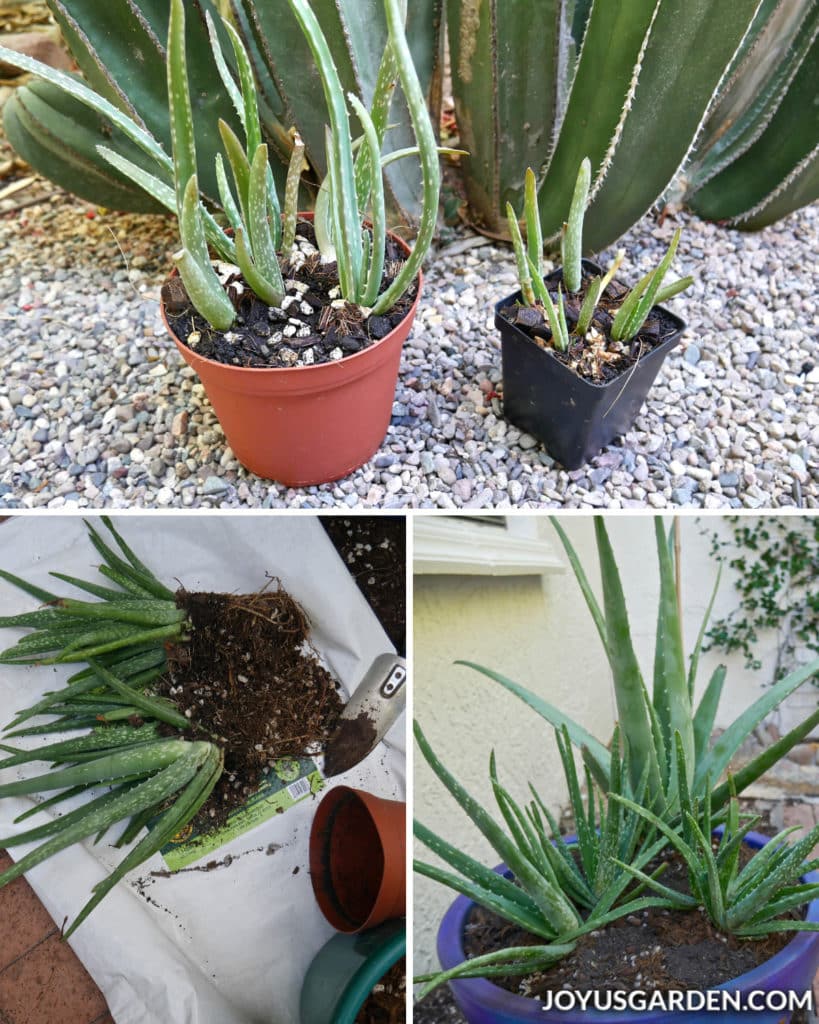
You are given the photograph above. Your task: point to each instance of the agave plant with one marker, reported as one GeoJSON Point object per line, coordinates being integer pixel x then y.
{"type": "Point", "coordinates": [561, 891]}
{"type": "Point", "coordinates": [749, 902]}
{"type": "Point", "coordinates": [121, 56]}
{"type": "Point", "coordinates": [635, 306]}
{"type": "Point", "coordinates": [631, 89]}
{"type": "Point", "coordinates": [648, 721]}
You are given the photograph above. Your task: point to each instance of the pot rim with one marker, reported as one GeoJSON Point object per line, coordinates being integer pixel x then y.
{"type": "Point", "coordinates": [347, 360]}
{"type": "Point", "coordinates": [370, 973]}
{"type": "Point", "coordinates": [494, 998]}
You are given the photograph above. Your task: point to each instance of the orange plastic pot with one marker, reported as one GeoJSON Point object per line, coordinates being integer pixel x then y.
{"type": "Point", "coordinates": [358, 859]}
{"type": "Point", "coordinates": [306, 425]}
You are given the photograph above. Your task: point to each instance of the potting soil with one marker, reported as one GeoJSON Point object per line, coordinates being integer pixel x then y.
{"type": "Point", "coordinates": [387, 1002]}
{"type": "Point", "coordinates": [313, 325]}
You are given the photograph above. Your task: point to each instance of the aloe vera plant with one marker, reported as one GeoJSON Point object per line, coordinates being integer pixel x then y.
{"type": "Point", "coordinates": [133, 758]}
{"type": "Point", "coordinates": [748, 902]}
{"type": "Point", "coordinates": [648, 720]}
{"type": "Point", "coordinates": [143, 774]}
{"type": "Point", "coordinates": [561, 891]}
{"type": "Point", "coordinates": [635, 306]}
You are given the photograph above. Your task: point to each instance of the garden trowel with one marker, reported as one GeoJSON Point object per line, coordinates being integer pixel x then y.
{"type": "Point", "coordinates": [378, 700]}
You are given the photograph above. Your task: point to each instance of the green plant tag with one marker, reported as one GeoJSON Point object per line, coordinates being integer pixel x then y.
{"type": "Point", "coordinates": [288, 783]}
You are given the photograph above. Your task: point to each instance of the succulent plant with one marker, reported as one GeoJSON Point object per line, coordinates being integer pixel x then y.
{"type": "Point", "coordinates": [635, 307]}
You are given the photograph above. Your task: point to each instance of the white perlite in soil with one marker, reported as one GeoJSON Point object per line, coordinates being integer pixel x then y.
{"type": "Point", "coordinates": [97, 409]}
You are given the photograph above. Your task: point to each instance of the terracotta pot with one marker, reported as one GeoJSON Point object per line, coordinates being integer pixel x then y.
{"type": "Point", "coordinates": [358, 859]}
{"type": "Point", "coordinates": [346, 969]}
{"type": "Point", "coordinates": [792, 969]}
{"type": "Point", "coordinates": [306, 425]}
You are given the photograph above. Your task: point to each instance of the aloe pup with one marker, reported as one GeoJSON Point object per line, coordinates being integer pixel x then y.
{"type": "Point", "coordinates": [634, 308]}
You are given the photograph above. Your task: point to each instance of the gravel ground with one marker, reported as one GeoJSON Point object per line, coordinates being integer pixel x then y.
{"type": "Point", "coordinates": [97, 409]}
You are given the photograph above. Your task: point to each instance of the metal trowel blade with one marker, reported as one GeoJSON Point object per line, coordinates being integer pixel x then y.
{"type": "Point", "coordinates": [378, 700]}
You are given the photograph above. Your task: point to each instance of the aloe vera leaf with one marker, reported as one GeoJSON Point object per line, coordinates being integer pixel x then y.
{"type": "Point", "coordinates": [161, 633]}
{"type": "Point", "coordinates": [629, 688]}
{"type": "Point", "coordinates": [557, 323]}
{"type": "Point", "coordinates": [105, 593]}
{"type": "Point", "coordinates": [368, 164]}
{"type": "Point", "coordinates": [378, 214]}
{"type": "Point", "coordinates": [158, 709]}
{"type": "Point", "coordinates": [218, 311]}
{"type": "Point", "coordinates": [584, 317]}
{"type": "Point", "coordinates": [226, 196]}
{"type": "Point", "coordinates": [751, 772]}
{"type": "Point", "coordinates": [773, 879]}
{"type": "Point", "coordinates": [579, 736]}
{"type": "Point", "coordinates": [571, 245]}
{"type": "Point", "coordinates": [706, 713]}
{"type": "Point", "coordinates": [428, 146]}
{"type": "Point", "coordinates": [184, 809]}
{"type": "Point", "coordinates": [59, 137]}
{"type": "Point", "coordinates": [156, 756]}
{"type": "Point", "coordinates": [671, 701]}
{"type": "Point", "coordinates": [79, 91]}
{"type": "Point", "coordinates": [644, 153]}
{"type": "Point", "coordinates": [524, 273]}
{"type": "Point", "coordinates": [800, 188]}
{"type": "Point", "coordinates": [551, 902]}
{"type": "Point", "coordinates": [258, 225]}
{"type": "Point", "coordinates": [521, 829]}
{"type": "Point", "coordinates": [534, 236]}
{"type": "Point", "coordinates": [674, 898]}
{"type": "Point", "coordinates": [100, 739]}
{"type": "Point", "coordinates": [291, 193]}
{"type": "Point", "coordinates": [716, 760]}
{"type": "Point", "coordinates": [257, 281]}
{"type": "Point", "coordinates": [44, 596]}
{"type": "Point", "coordinates": [121, 50]}
{"type": "Point", "coordinates": [131, 568]}
{"type": "Point", "coordinates": [674, 288]}
{"type": "Point", "coordinates": [626, 310]}
{"type": "Point", "coordinates": [349, 222]}
{"type": "Point", "coordinates": [483, 878]}
{"type": "Point", "coordinates": [57, 825]}
{"type": "Point", "coordinates": [512, 960]}
{"type": "Point", "coordinates": [356, 34]}
{"type": "Point", "coordinates": [151, 612]}
{"type": "Point", "coordinates": [504, 78]}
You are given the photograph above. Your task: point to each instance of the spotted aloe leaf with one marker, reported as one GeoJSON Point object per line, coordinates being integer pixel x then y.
{"type": "Point", "coordinates": [356, 31]}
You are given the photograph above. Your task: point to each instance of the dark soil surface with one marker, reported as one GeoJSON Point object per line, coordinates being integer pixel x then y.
{"type": "Point", "coordinates": [387, 1004]}
{"type": "Point", "coordinates": [313, 325]}
{"type": "Point", "coordinates": [249, 679]}
{"type": "Point", "coordinates": [596, 357]}
{"type": "Point", "coordinates": [374, 549]}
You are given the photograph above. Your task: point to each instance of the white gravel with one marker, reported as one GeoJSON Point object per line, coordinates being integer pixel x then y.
{"type": "Point", "coordinates": [97, 410]}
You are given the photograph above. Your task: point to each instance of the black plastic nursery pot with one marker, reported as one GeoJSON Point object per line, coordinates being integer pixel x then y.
{"type": "Point", "coordinates": [573, 417]}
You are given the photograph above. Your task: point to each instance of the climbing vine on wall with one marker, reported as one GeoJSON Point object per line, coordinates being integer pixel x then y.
{"type": "Point", "coordinates": [777, 562]}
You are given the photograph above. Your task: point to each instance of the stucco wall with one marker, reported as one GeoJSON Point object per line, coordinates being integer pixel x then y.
{"type": "Point", "coordinates": [537, 630]}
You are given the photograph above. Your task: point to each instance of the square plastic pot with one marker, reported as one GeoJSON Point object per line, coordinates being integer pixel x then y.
{"type": "Point", "coordinates": [573, 418]}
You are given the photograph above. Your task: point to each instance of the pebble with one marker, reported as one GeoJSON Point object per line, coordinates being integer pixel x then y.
{"type": "Point", "coordinates": [104, 414]}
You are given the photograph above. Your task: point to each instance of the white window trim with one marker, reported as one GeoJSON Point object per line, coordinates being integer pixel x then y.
{"type": "Point", "coordinates": [444, 545]}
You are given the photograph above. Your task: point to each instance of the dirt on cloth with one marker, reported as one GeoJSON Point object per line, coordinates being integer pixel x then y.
{"type": "Point", "coordinates": [249, 680]}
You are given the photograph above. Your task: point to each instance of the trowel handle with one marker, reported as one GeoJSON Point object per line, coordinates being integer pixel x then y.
{"type": "Point", "coordinates": [381, 694]}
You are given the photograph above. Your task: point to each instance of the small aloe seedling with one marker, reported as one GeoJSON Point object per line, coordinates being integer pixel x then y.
{"type": "Point", "coordinates": [635, 308]}
{"type": "Point", "coordinates": [747, 902]}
